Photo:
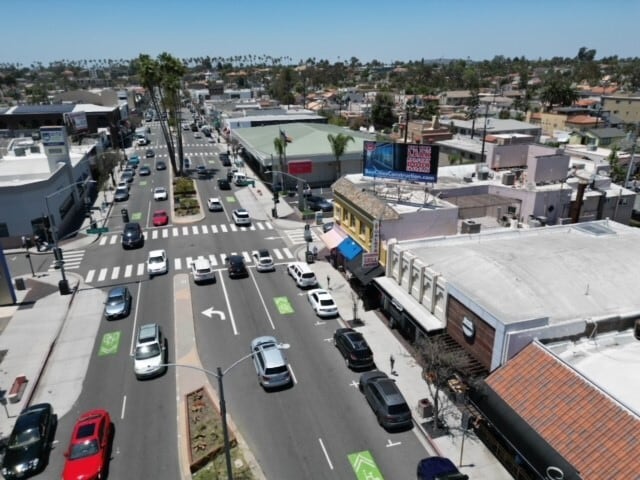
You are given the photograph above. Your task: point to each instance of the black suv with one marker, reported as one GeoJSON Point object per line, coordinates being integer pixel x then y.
{"type": "Point", "coordinates": [316, 203]}
{"type": "Point", "coordinates": [386, 401]}
{"type": "Point", "coordinates": [132, 236]}
{"type": "Point", "coordinates": [236, 266]}
{"type": "Point", "coordinates": [224, 158]}
{"type": "Point", "coordinates": [354, 348]}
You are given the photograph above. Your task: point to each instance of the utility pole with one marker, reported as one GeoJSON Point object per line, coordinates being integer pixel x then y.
{"type": "Point", "coordinates": [634, 140]}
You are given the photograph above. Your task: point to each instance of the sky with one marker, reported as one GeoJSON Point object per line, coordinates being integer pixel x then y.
{"type": "Point", "coordinates": [334, 30]}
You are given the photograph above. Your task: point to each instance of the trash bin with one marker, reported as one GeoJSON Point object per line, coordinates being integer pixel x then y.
{"type": "Point", "coordinates": [425, 408]}
{"type": "Point", "coordinates": [125, 215]}
{"type": "Point", "coordinates": [309, 256]}
{"type": "Point", "coordinates": [20, 284]}
{"type": "Point", "coordinates": [63, 287]}
{"type": "Point", "coordinates": [274, 213]}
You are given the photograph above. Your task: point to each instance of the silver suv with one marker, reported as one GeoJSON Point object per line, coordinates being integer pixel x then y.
{"type": "Point", "coordinates": [270, 362]}
{"type": "Point", "coordinates": [149, 357]}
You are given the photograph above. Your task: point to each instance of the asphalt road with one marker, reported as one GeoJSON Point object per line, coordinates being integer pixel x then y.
{"type": "Point", "coordinates": [306, 431]}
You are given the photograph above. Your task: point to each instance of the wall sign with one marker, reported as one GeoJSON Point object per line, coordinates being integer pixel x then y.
{"type": "Point", "coordinates": [468, 328]}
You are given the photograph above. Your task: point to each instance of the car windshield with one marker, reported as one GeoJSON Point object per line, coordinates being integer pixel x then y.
{"type": "Point", "coordinates": [24, 438]}
{"type": "Point", "coordinates": [116, 299]}
{"type": "Point", "coordinates": [156, 260]}
{"type": "Point", "coordinates": [203, 270]}
{"type": "Point", "coordinates": [84, 449]}
{"type": "Point", "coordinates": [276, 370]}
{"type": "Point", "coordinates": [266, 261]}
{"type": "Point", "coordinates": [326, 302]}
{"type": "Point", "coordinates": [398, 409]}
{"type": "Point", "coordinates": [147, 351]}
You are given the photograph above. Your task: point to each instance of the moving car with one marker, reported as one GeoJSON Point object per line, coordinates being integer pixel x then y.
{"type": "Point", "coordinates": [316, 203]}
{"type": "Point", "coordinates": [187, 163]}
{"type": "Point", "coordinates": [322, 303]}
{"type": "Point", "coordinates": [160, 193]}
{"type": "Point", "coordinates": [236, 266]}
{"type": "Point", "coordinates": [133, 161]}
{"type": "Point", "coordinates": [160, 165]}
{"type": "Point", "coordinates": [385, 400]}
{"type": "Point", "coordinates": [157, 262]}
{"type": "Point", "coordinates": [29, 445]}
{"type": "Point", "coordinates": [225, 159]}
{"type": "Point", "coordinates": [197, 135]}
{"type": "Point", "coordinates": [144, 171]}
{"type": "Point", "coordinates": [149, 153]}
{"type": "Point", "coordinates": [264, 260]}
{"type": "Point", "coordinates": [160, 218]}
{"type": "Point", "coordinates": [150, 353]}
{"type": "Point", "coordinates": [132, 235]}
{"type": "Point", "coordinates": [215, 204]}
{"type": "Point", "coordinates": [201, 170]}
{"type": "Point", "coordinates": [241, 217]}
{"type": "Point", "coordinates": [121, 195]}
{"type": "Point", "coordinates": [118, 304]}
{"type": "Point", "coordinates": [223, 184]}
{"type": "Point", "coordinates": [270, 363]}
{"type": "Point", "coordinates": [354, 348]}
{"type": "Point", "coordinates": [89, 449]}
{"type": "Point", "coordinates": [202, 271]}
{"type": "Point", "coordinates": [438, 468]}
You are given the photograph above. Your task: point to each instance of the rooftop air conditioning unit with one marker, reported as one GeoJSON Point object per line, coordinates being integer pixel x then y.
{"type": "Point", "coordinates": [469, 226]}
{"type": "Point", "coordinates": [483, 175]}
{"type": "Point", "coordinates": [508, 178]}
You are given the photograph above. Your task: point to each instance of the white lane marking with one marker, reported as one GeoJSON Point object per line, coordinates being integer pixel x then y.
{"type": "Point", "coordinates": [252, 227]}
{"type": "Point", "coordinates": [264, 305]}
{"type": "Point", "coordinates": [213, 260]}
{"type": "Point", "coordinates": [214, 229]}
{"type": "Point", "coordinates": [178, 264]}
{"type": "Point", "coordinates": [102, 275]}
{"type": "Point", "coordinates": [175, 231]}
{"type": "Point", "coordinates": [278, 254]}
{"type": "Point", "coordinates": [90, 275]}
{"type": "Point", "coordinates": [269, 226]}
{"type": "Point", "coordinates": [124, 404]}
{"type": "Point", "coordinates": [226, 297]}
{"type": "Point", "coordinates": [127, 271]}
{"type": "Point", "coordinates": [115, 273]}
{"type": "Point", "coordinates": [194, 229]}
{"type": "Point", "coordinates": [165, 232]}
{"type": "Point", "coordinates": [224, 228]}
{"type": "Point", "coordinates": [188, 261]}
{"type": "Point", "coordinates": [326, 454]}
{"type": "Point", "coordinates": [154, 235]}
{"type": "Point", "coordinates": [287, 252]}
{"type": "Point", "coordinates": [247, 257]}
{"type": "Point", "coordinates": [140, 269]}
{"type": "Point", "coordinates": [260, 226]}
{"type": "Point", "coordinates": [293, 375]}
{"type": "Point", "coordinates": [185, 231]}
{"type": "Point", "coordinates": [205, 231]}
{"type": "Point", "coordinates": [233, 227]}
{"type": "Point", "coordinates": [114, 238]}
{"type": "Point", "coordinates": [103, 240]}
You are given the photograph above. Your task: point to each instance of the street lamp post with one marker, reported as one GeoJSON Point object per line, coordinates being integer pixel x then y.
{"type": "Point", "coordinates": [219, 375]}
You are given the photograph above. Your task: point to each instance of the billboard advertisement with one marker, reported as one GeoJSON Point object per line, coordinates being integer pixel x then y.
{"type": "Point", "coordinates": [412, 162]}
{"type": "Point", "coordinates": [76, 122]}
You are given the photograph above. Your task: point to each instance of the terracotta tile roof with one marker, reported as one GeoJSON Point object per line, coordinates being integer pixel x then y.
{"type": "Point", "coordinates": [581, 120]}
{"type": "Point", "coordinates": [585, 425]}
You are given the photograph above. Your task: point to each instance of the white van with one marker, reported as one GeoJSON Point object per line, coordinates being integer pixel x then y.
{"type": "Point", "coordinates": [302, 274]}
{"type": "Point", "coordinates": [239, 178]}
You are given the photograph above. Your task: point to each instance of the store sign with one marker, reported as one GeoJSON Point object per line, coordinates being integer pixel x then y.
{"type": "Point", "coordinates": [468, 328]}
{"type": "Point", "coordinates": [369, 260]}
{"type": "Point", "coordinates": [375, 239]}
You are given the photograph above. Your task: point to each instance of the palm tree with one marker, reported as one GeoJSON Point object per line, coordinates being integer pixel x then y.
{"type": "Point", "coordinates": [338, 146]}
{"type": "Point", "coordinates": [280, 147]}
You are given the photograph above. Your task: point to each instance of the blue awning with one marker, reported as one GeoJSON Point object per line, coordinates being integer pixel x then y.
{"type": "Point", "coordinates": [349, 249]}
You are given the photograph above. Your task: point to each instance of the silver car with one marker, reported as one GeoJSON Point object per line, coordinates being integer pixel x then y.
{"type": "Point", "coordinates": [118, 304]}
{"type": "Point", "coordinates": [270, 362]}
{"type": "Point", "coordinates": [264, 261]}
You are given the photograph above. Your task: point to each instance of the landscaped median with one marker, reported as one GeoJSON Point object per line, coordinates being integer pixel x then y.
{"type": "Point", "coordinates": [185, 197]}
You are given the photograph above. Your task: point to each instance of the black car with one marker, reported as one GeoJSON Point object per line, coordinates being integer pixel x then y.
{"type": "Point", "coordinates": [316, 203]}
{"type": "Point", "coordinates": [223, 184]}
{"type": "Point", "coordinates": [385, 400]}
{"type": "Point", "coordinates": [160, 165]}
{"type": "Point", "coordinates": [121, 195]}
{"type": "Point", "coordinates": [354, 348]}
{"type": "Point", "coordinates": [132, 236]}
{"type": "Point", "coordinates": [202, 171]}
{"type": "Point", "coordinates": [236, 266]}
{"type": "Point", "coordinates": [225, 159]}
{"type": "Point", "coordinates": [30, 442]}
{"type": "Point", "coordinates": [144, 171]}
{"type": "Point", "coordinates": [150, 153]}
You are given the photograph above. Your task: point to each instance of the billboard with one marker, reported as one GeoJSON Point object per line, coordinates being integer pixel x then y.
{"type": "Point", "coordinates": [400, 161]}
{"type": "Point", "coordinates": [76, 122]}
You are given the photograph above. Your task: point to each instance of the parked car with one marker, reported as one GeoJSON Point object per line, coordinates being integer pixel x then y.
{"type": "Point", "coordinates": [145, 170]}
{"type": "Point", "coordinates": [327, 226]}
{"type": "Point", "coordinates": [236, 266]}
{"type": "Point", "coordinates": [225, 159]}
{"type": "Point", "coordinates": [29, 444]}
{"type": "Point", "coordinates": [322, 303]}
{"type": "Point", "coordinates": [316, 203]}
{"type": "Point", "coordinates": [160, 193]}
{"type": "Point", "coordinates": [157, 262]}
{"type": "Point", "coordinates": [118, 304]}
{"type": "Point", "coordinates": [160, 165]}
{"type": "Point", "coordinates": [354, 348]}
{"type": "Point", "coordinates": [160, 218]}
{"type": "Point", "coordinates": [385, 400]}
{"type": "Point", "coordinates": [224, 184]}
{"type": "Point", "coordinates": [127, 176]}
{"type": "Point", "coordinates": [270, 363]}
{"type": "Point", "coordinates": [438, 468]}
{"type": "Point", "coordinates": [302, 274]}
{"type": "Point", "coordinates": [150, 353]}
{"type": "Point", "coordinates": [202, 271]}
{"type": "Point", "coordinates": [121, 194]}
{"type": "Point", "coordinates": [124, 184]}
{"type": "Point", "coordinates": [132, 236]}
{"type": "Point", "coordinates": [201, 170]}
{"type": "Point", "coordinates": [241, 217]}
{"type": "Point", "coordinates": [187, 163]}
{"type": "Point", "coordinates": [90, 447]}
{"type": "Point", "coordinates": [264, 260]}
{"type": "Point", "coordinates": [215, 204]}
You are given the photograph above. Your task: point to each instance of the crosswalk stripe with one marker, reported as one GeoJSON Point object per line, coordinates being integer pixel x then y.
{"type": "Point", "coordinates": [233, 228]}
{"type": "Point", "coordinates": [252, 227]}
{"type": "Point", "coordinates": [260, 226]}
{"type": "Point", "coordinates": [189, 260]}
{"type": "Point", "coordinates": [175, 231]}
{"type": "Point", "coordinates": [145, 235]}
{"type": "Point", "coordinates": [223, 228]}
{"type": "Point", "coordinates": [127, 271]}
{"type": "Point", "coordinates": [194, 229]}
{"type": "Point", "coordinates": [213, 260]}
{"type": "Point", "coordinates": [223, 256]}
{"type": "Point", "coordinates": [103, 240]}
{"type": "Point", "coordinates": [178, 264]}
{"type": "Point", "coordinates": [287, 252]}
{"type": "Point", "coordinates": [165, 232]}
{"type": "Point", "coordinates": [185, 231]}
{"type": "Point", "coordinates": [102, 275]}
{"type": "Point", "coordinates": [278, 254]}
{"type": "Point", "coordinates": [115, 273]}
{"type": "Point", "coordinates": [114, 239]}
{"type": "Point", "coordinates": [204, 230]}
{"type": "Point", "coordinates": [247, 257]}
{"type": "Point", "coordinates": [268, 225]}
{"type": "Point", "coordinates": [154, 234]}
{"type": "Point", "coordinates": [90, 275]}
{"type": "Point", "coordinates": [214, 229]}
{"type": "Point", "coordinates": [140, 270]}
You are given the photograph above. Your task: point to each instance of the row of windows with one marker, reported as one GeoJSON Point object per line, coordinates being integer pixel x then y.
{"type": "Point", "coordinates": [355, 224]}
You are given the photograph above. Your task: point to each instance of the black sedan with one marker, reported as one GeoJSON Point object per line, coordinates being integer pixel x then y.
{"type": "Point", "coordinates": [160, 165]}
{"type": "Point", "coordinates": [236, 266]}
{"type": "Point", "coordinates": [223, 184]}
{"type": "Point", "coordinates": [150, 153]}
{"type": "Point", "coordinates": [30, 442]}
{"type": "Point", "coordinates": [144, 171]}
{"type": "Point", "coordinates": [316, 203]}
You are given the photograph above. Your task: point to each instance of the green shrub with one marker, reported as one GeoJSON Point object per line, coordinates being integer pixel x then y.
{"type": "Point", "coordinates": [184, 186]}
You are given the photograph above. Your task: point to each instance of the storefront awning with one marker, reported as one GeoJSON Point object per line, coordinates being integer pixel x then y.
{"type": "Point", "coordinates": [349, 249]}
{"type": "Point", "coordinates": [403, 301]}
{"type": "Point", "coordinates": [364, 274]}
{"type": "Point", "coordinates": [333, 237]}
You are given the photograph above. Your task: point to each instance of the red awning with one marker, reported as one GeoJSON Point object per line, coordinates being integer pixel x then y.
{"type": "Point", "coordinates": [333, 237]}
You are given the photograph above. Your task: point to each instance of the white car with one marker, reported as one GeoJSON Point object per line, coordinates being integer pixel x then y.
{"type": "Point", "coordinates": [201, 270]}
{"type": "Point", "coordinates": [150, 354]}
{"type": "Point", "coordinates": [215, 204]}
{"type": "Point", "coordinates": [241, 217]}
{"type": "Point", "coordinates": [197, 135]}
{"type": "Point", "coordinates": [322, 303]}
{"type": "Point", "coordinates": [160, 193]}
{"type": "Point", "coordinates": [264, 261]}
{"type": "Point", "coordinates": [157, 262]}
{"type": "Point", "coordinates": [124, 184]}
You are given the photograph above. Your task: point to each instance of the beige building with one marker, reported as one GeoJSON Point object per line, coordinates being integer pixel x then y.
{"type": "Point", "coordinates": [627, 108]}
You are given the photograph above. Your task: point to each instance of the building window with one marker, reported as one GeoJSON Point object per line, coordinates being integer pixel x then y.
{"type": "Point", "coordinates": [4, 230]}
{"type": "Point", "coordinates": [65, 207]}
{"type": "Point", "coordinates": [352, 221]}
{"type": "Point", "coordinates": [363, 229]}
{"type": "Point", "coordinates": [345, 214]}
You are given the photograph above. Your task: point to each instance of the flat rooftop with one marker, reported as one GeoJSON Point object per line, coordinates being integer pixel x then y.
{"type": "Point", "coordinates": [564, 272]}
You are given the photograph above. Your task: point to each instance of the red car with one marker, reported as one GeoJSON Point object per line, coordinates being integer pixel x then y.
{"type": "Point", "coordinates": [88, 454]}
{"type": "Point", "coordinates": [160, 218]}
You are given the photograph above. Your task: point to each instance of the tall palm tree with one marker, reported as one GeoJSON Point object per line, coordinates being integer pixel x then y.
{"type": "Point", "coordinates": [280, 147]}
{"type": "Point", "coordinates": [338, 146]}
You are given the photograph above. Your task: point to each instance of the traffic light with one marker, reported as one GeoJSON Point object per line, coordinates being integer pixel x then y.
{"type": "Point", "coordinates": [307, 233]}
{"type": "Point", "coordinates": [276, 197]}
{"type": "Point", "coordinates": [57, 253]}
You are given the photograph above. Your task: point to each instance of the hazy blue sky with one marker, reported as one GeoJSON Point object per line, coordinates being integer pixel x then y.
{"type": "Point", "coordinates": [48, 30]}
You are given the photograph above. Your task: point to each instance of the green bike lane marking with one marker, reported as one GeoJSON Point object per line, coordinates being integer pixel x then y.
{"type": "Point", "coordinates": [109, 344]}
{"type": "Point", "coordinates": [364, 466]}
{"type": "Point", "coordinates": [136, 216]}
{"type": "Point", "coordinates": [142, 183]}
{"type": "Point", "coordinates": [231, 199]}
{"type": "Point", "coordinates": [283, 305]}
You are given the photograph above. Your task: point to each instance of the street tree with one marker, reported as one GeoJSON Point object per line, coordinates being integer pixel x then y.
{"type": "Point", "coordinates": [338, 146]}
{"type": "Point", "coordinates": [280, 147]}
{"type": "Point", "coordinates": [382, 115]}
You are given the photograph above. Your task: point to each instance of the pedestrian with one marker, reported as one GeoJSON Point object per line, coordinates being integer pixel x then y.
{"type": "Point", "coordinates": [315, 251]}
{"type": "Point", "coordinates": [328, 282]}
{"type": "Point", "coordinates": [392, 362]}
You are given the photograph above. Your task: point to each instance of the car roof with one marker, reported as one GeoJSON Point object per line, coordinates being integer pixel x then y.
{"type": "Point", "coordinates": [321, 292]}
{"type": "Point", "coordinates": [117, 291]}
{"type": "Point", "coordinates": [148, 332]}
{"type": "Point", "coordinates": [157, 253]}
{"type": "Point", "coordinates": [132, 225]}
{"type": "Point", "coordinates": [160, 188]}
{"type": "Point", "coordinates": [159, 212]}
{"type": "Point", "coordinates": [263, 252]}
{"type": "Point", "coordinates": [30, 416]}
{"type": "Point", "coordinates": [201, 262]}
{"type": "Point", "coordinates": [236, 258]}
{"type": "Point", "coordinates": [214, 199]}
{"type": "Point", "coordinates": [241, 210]}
